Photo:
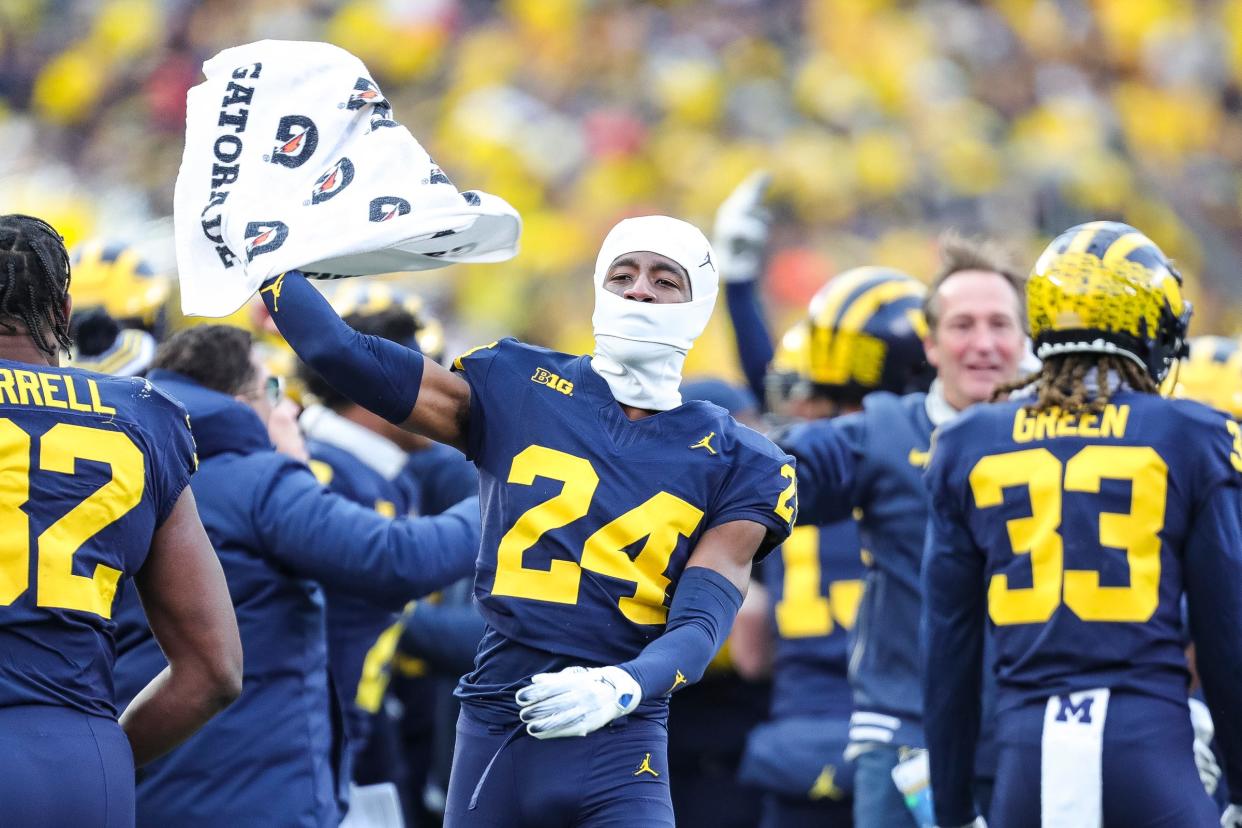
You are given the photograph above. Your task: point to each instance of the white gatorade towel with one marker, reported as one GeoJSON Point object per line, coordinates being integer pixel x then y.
{"type": "Point", "coordinates": [293, 159]}
{"type": "Point", "coordinates": [1071, 770]}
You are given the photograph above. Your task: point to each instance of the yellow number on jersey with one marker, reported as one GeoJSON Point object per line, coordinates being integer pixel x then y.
{"type": "Point", "coordinates": [60, 449]}
{"type": "Point", "coordinates": [559, 582]}
{"type": "Point", "coordinates": [803, 611]}
{"type": "Point", "coordinates": [783, 508]}
{"type": "Point", "coordinates": [662, 519]}
{"type": "Point", "coordinates": [1037, 536]}
{"type": "Point", "coordinates": [1236, 455]}
{"type": "Point", "coordinates": [1136, 531]}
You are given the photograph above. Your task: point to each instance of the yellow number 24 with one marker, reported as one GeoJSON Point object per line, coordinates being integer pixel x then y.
{"type": "Point", "coordinates": [59, 450]}
{"type": "Point", "coordinates": [1137, 532]}
{"type": "Point", "coordinates": [661, 519]}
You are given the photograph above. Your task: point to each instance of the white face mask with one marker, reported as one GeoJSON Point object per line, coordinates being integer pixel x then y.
{"type": "Point", "coordinates": [640, 346]}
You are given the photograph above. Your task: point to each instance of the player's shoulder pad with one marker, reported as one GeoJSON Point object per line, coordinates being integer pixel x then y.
{"type": "Point", "coordinates": [1218, 434]}
{"type": "Point", "coordinates": [747, 444]}
{"type": "Point", "coordinates": [881, 403]}
{"type": "Point", "coordinates": [1196, 414]}
{"type": "Point", "coordinates": [143, 389]}
{"type": "Point", "coordinates": [510, 351]}
{"type": "Point", "coordinates": [879, 409]}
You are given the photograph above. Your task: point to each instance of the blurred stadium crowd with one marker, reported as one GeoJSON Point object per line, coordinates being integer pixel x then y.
{"type": "Point", "coordinates": [883, 122]}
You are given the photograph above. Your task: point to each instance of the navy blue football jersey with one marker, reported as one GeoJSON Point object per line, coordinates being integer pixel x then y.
{"type": "Point", "coordinates": [90, 466]}
{"type": "Point", "coordinates": [1079, 529]}
{"type": "Point", "coordinates": [815, 584]}
{"type": "Point", "coordinates": [873, 461]}
{"type": "Point", "coordinates": [589, 517]}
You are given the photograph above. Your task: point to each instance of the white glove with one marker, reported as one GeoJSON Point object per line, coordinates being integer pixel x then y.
{"type": "Point", "coordinates": [1205, 760]}
{"type": "Point", "coordinates": [576, 701]}
{"type": "Point", "coordinates": [1232, 817]}
{"type": "Point", "coordinates": [740, 237]}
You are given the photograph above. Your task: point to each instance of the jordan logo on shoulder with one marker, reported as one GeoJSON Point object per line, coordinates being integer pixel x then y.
{"type": "Point", "coordinates": [645, 767]}
{"type": "Point", "coordinates": [706, 443]}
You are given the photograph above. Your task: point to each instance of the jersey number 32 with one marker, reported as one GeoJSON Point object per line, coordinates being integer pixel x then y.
{"type": "Point", "coordinates": [59, 450]}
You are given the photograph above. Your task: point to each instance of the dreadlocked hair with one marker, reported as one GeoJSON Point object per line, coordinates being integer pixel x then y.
{"type": "Point", "coordinates": [34, 281]}
{"type": "Point", "coordinates": [1061, 382]}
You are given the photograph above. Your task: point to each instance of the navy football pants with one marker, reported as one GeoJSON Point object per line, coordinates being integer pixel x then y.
{"type": "Point", "coordinates": [614, 777]}
{"type": "Point", "coordinates": [1148, 774]}
{"type": "Point", "coordinates": [59, 767]}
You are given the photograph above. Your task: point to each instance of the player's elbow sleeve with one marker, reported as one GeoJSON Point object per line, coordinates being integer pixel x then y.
{"type": "Point", "coordinates": [699, 621]}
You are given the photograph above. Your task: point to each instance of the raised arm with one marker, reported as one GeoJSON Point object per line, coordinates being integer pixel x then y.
{"type": "Point", "coordinates": [188, 607]}
{"type": "Point", "coordinates": [740, 239]}
{"type": "Point", "coordinates": [394, 381]}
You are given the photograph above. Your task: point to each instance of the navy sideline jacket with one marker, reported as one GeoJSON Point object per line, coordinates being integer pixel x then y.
{"type": "Point", "coordinates": [272, 757]}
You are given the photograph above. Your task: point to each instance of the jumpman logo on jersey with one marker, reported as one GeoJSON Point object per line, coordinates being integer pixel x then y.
{"type": "Point", "coordinates": [645, 767]}
{"type": "Point", "coordinates": [706, 443]}
{"type": "Point", "coordinates": [825, 786]}
{"type": "Point", "coordinates": [678, 681]}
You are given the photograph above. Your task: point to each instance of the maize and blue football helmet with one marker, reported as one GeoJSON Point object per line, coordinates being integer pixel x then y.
{"type": "Point", "coordinates": [1106, 288]}
{"type": "Point", "coordinates": [118, 279]}
{"type": "Point", "coordinates": [865, 333]}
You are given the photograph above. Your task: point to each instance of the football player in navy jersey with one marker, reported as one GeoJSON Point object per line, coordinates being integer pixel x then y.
{"type": "Point", "coordinates": [863, 334]}
{"type": "Point", "coordinates": [872, 460]}
{"type": "Point", "coordinates": [1072, 521]}
{"type": "Point", "coordinates": [93, 474]}
{"type": "Point", "coordinates": [602, 494]}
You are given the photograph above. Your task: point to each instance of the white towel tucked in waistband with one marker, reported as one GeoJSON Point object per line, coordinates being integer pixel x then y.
{"type": "Point", "coordinates": [293, 160]}
{"type": "Point", "coordinates": [1071, 793]}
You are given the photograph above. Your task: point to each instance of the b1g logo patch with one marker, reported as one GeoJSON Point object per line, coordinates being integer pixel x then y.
{"type": "Point", "coordinates": [336, 178]}
{"type": "Point", "coordinates": [388, 207]}
{"type": "Point", "coordinates": [296, 140]}
{"type": "Point", "coordinates": [545, 377]}
{"type": "Point", "coordinates": [264, 237]}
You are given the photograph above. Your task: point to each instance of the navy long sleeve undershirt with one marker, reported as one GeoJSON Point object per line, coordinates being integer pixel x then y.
{"type": "Point", "coordinates": [379, 375]}
{"type": "Point", "coordinates": [750, 331]}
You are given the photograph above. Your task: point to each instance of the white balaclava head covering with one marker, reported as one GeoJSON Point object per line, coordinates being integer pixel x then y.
{"type": "Point", "coordinates": [640, 346]}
